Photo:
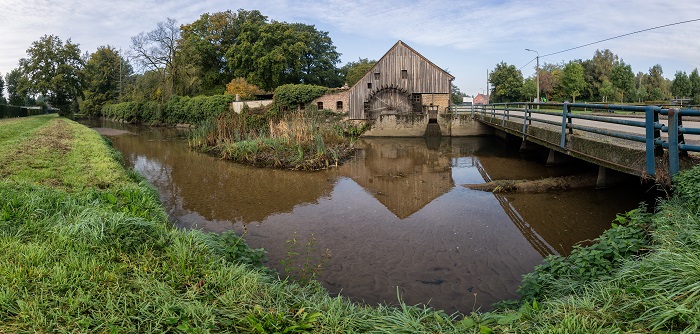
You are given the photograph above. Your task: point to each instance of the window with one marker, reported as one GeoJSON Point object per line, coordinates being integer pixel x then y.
{"type": "Point", "coordinates": [319, 105]}
{"type": "Point", "coordinates": [369, 85]}
{"type": "Point", "coordinates": [302, 106]}
{"type": "Point", "coordinates": [366, 106]}
{"type": "Point", "coordinates": [416, 98]}
{"type": "Point", "coordinates": [404, 74]}
{"type": "Point", "coordinates": [376, 76]}
{"type": "Point", "coordinates": [339, 105]}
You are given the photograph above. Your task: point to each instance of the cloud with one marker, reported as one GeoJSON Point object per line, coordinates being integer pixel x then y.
{"type": "Point", "coordinates": [465, 36]}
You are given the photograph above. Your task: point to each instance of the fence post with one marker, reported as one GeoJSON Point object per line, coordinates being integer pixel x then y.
{"type": "Point", "coordinates": [651, 119]}
{"type": "Point", "coordinates": [673, 142]}
{"type": "Point", "coordinates": [564, 117]}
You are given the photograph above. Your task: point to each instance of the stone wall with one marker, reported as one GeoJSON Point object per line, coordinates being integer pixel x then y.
{"type": "Point", "coordinates": [331, 101]}
{"type": "Point", "coordinates": [442, 101]}
{"type": "Point", "coordinates": [238, 105]}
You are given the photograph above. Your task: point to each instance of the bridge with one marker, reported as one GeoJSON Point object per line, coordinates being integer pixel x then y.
{"type": "Point", "coordinates": [647, 141]}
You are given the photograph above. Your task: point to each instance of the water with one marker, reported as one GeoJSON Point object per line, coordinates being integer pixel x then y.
{"type": "Point", "coordinates": [395, 218]}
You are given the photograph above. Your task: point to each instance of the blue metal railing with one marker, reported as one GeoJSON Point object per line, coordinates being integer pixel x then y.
{"type": "Point", "coordinates": [675, 144]}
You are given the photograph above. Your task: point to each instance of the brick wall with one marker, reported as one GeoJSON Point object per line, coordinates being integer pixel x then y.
{"type": "Point", "coordinates": [442, 101]}
{"type": "Point", "coordinates": [330, 101]}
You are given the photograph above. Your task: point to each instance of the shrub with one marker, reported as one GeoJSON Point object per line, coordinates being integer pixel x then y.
{"type": "Point", "coordinates": [560, 275]}
{"type": "Point", "coordinates": [292, 96]}
{"type": "Point", "coordinates": [686, 186]}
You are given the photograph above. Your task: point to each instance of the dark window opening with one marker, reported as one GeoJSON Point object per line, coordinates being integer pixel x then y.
{"type": "Point", "coordinates": [366, 106]}
{"type": "Point", "coordinates": [369, 85]}
{"type": "Point", "coordinates": [339, 105]}
{"type": "Point", "coordinates": [319, 105]}
{"type": "Point", "coordinates": [416, 98]}
{"type": "Point", "coordinates": [404, 74]}
{"type": "Point", "coordinates": [302, 106]}
{"type": "Point", "coordinates": [376, 76]}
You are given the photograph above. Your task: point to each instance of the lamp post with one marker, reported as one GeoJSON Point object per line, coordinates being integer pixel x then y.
{"type": "Point", "coordinates": [538, 74]}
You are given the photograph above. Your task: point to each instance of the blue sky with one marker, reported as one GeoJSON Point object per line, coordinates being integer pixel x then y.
{"type": "Point", "coordinates": [466, 38]}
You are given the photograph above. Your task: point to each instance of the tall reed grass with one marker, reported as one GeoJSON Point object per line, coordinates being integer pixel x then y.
{"type": "Point", "coordinates": [305, 140]}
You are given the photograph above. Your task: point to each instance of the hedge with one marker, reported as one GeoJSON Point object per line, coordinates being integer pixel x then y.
{"type": "Point", "coordinates": [179, 109]}
{"type": "Point", "coordinates": [8, 111]}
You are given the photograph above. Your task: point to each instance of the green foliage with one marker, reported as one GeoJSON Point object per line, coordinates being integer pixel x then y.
{"type": "Point", "coordinates": [210, 37]}
{"type": "Point", "coordinates": [179, 109]}
{"type": "Point", "coordinates": [105, 72]}
{"type": "Point", "coordinates": [681, 85]}
{"type": "Point", "coordinates": [272, 54]}
{"type": "Point", "coordinates": [125, 111]}
{"type": "Point", "coordinates": [291, 96]}
{"type": "Point", "coordinates": [355, 70]}
{"type": "Point", "coordinates": [54, 69]}
{"type": "Point", "coordinates": [17, 87]}
{"type": "Point", "coordinates": [559, 275]}
{"type": "Point", "coordinates": [686, 186]}
{"type": "Point", "coordinates": [573, 81]}
{"type": "Point", "coordinates": [507, 83]}
{"type": "Point", "coordinates": [2, 91]}
{"type": "Point", "coordinates": [275, 321]}
{"type": "Point", "coordinates": [233, 248]}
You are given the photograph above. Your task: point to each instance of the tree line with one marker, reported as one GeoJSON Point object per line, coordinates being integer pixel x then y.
{"type": "Point", "coordinates": [236, 52]}
{"type": "Point", "coordinates": [605, 78]}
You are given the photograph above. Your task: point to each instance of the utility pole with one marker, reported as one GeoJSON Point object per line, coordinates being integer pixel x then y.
{"type": "Point", "coordinates": [538, 74]}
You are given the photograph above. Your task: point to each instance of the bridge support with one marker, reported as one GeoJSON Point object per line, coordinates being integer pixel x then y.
{"type": "Point", "coordinates": [556, 158]}
{"type": "Point", "coordinates": [610, 177]}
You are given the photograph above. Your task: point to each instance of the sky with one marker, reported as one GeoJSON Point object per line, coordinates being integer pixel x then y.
{"type": "Point", "coordinates": [466, 38]}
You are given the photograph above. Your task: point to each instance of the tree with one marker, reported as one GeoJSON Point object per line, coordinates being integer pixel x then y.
{"type": "Point", "coordinates": [16, 87]}
{"type": "Point", "coordinates": [155, 51]}
{"type": "Point", "coordinates": [550, 77]}
{"type": "Point", "coordinates": [681, 86]}
{"type": "Point", "coordinates": [529, 90]}
{"type": "Point", "coordinates": [456, 95]}
{"type": "Point", "coordinates": [210, 37]}
{"type": "Point", "coordinates": [597, 70]}
{"type": "Point", "coordinates": [240, 87]}
{"type": "Point", "coordinates": [606, 90]}
{"type": "Point", "coordinates": [281, 53]}
{"type": "Point", "coordinates": [507, 83]}
{"type": "Point", "coordinates": [694, 79]}
{"type": "Point", "coordinates": [655, 84]}
{"type": "Point", "coordinates": [622, 79]}
{"type": "Point", "coordinates": [2, 91]}
{"type": "Point", "coordinates": [54, 70]}
{"type": "Point", "coordinates": [573, 81]}
{"type": "Point", "coordinates": [106, 72]}
{"type": "Point", "coordinates": [355, 70]}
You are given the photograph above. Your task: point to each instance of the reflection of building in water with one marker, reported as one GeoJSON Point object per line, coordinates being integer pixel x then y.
{"type": "Point", "coordinates": [402, 174]}
{"type": "Point", "coordinates": [579, 215]}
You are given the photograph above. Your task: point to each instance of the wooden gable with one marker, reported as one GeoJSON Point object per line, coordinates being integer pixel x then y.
{"type": "Point", "coordinates": [401, 71]}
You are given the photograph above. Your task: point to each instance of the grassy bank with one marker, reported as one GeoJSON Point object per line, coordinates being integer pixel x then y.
{"type": "Point", "coordinates": [305, 140]}
{"type": "Point", "coordinates": [86, 247]}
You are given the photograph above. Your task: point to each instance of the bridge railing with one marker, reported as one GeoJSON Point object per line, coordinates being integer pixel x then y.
{"type": "Point", "coordinates": [675, 143]}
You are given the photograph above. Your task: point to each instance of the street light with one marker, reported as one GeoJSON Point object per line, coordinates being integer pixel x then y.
{"type": "Point", "coordinates": [538, 74]}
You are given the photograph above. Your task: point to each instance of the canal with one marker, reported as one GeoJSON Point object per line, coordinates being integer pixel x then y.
{"type": "Point", "coordinates": [393, 219]}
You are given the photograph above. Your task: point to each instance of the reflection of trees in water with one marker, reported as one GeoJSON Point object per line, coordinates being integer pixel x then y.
{"type": "Point", "coordinates": [219, 190]}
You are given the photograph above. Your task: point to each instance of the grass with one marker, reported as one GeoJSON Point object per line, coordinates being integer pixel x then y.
{"type": "Point", "coordinates": [91, 250]}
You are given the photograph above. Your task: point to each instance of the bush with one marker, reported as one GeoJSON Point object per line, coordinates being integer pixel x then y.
{"type": "Point", "coordinates": [560, 275]}
{"type": "Point", "coordinates": [686, 186]}
{"type": "Point", "coordinates": [125, 111]}
{"type": "Point", "coordinates": [151, 112]}
{"type": "Point", "coordinates": [7, 111]}
{"type": "Point", "coordinates": [292, 96]}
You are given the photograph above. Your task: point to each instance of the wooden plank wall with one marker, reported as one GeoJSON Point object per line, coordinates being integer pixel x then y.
{"type": "Point", "coordinates": [422, 77]}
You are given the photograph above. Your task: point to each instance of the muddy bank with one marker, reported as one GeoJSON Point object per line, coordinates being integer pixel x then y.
{"type": "Point", "coordinates": [110, 131]}
{"type": "Point", "coordinates": [537, 186]}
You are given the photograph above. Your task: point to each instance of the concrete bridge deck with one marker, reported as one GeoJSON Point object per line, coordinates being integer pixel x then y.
{"type": "Point", "coordinates": [599, 140]}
